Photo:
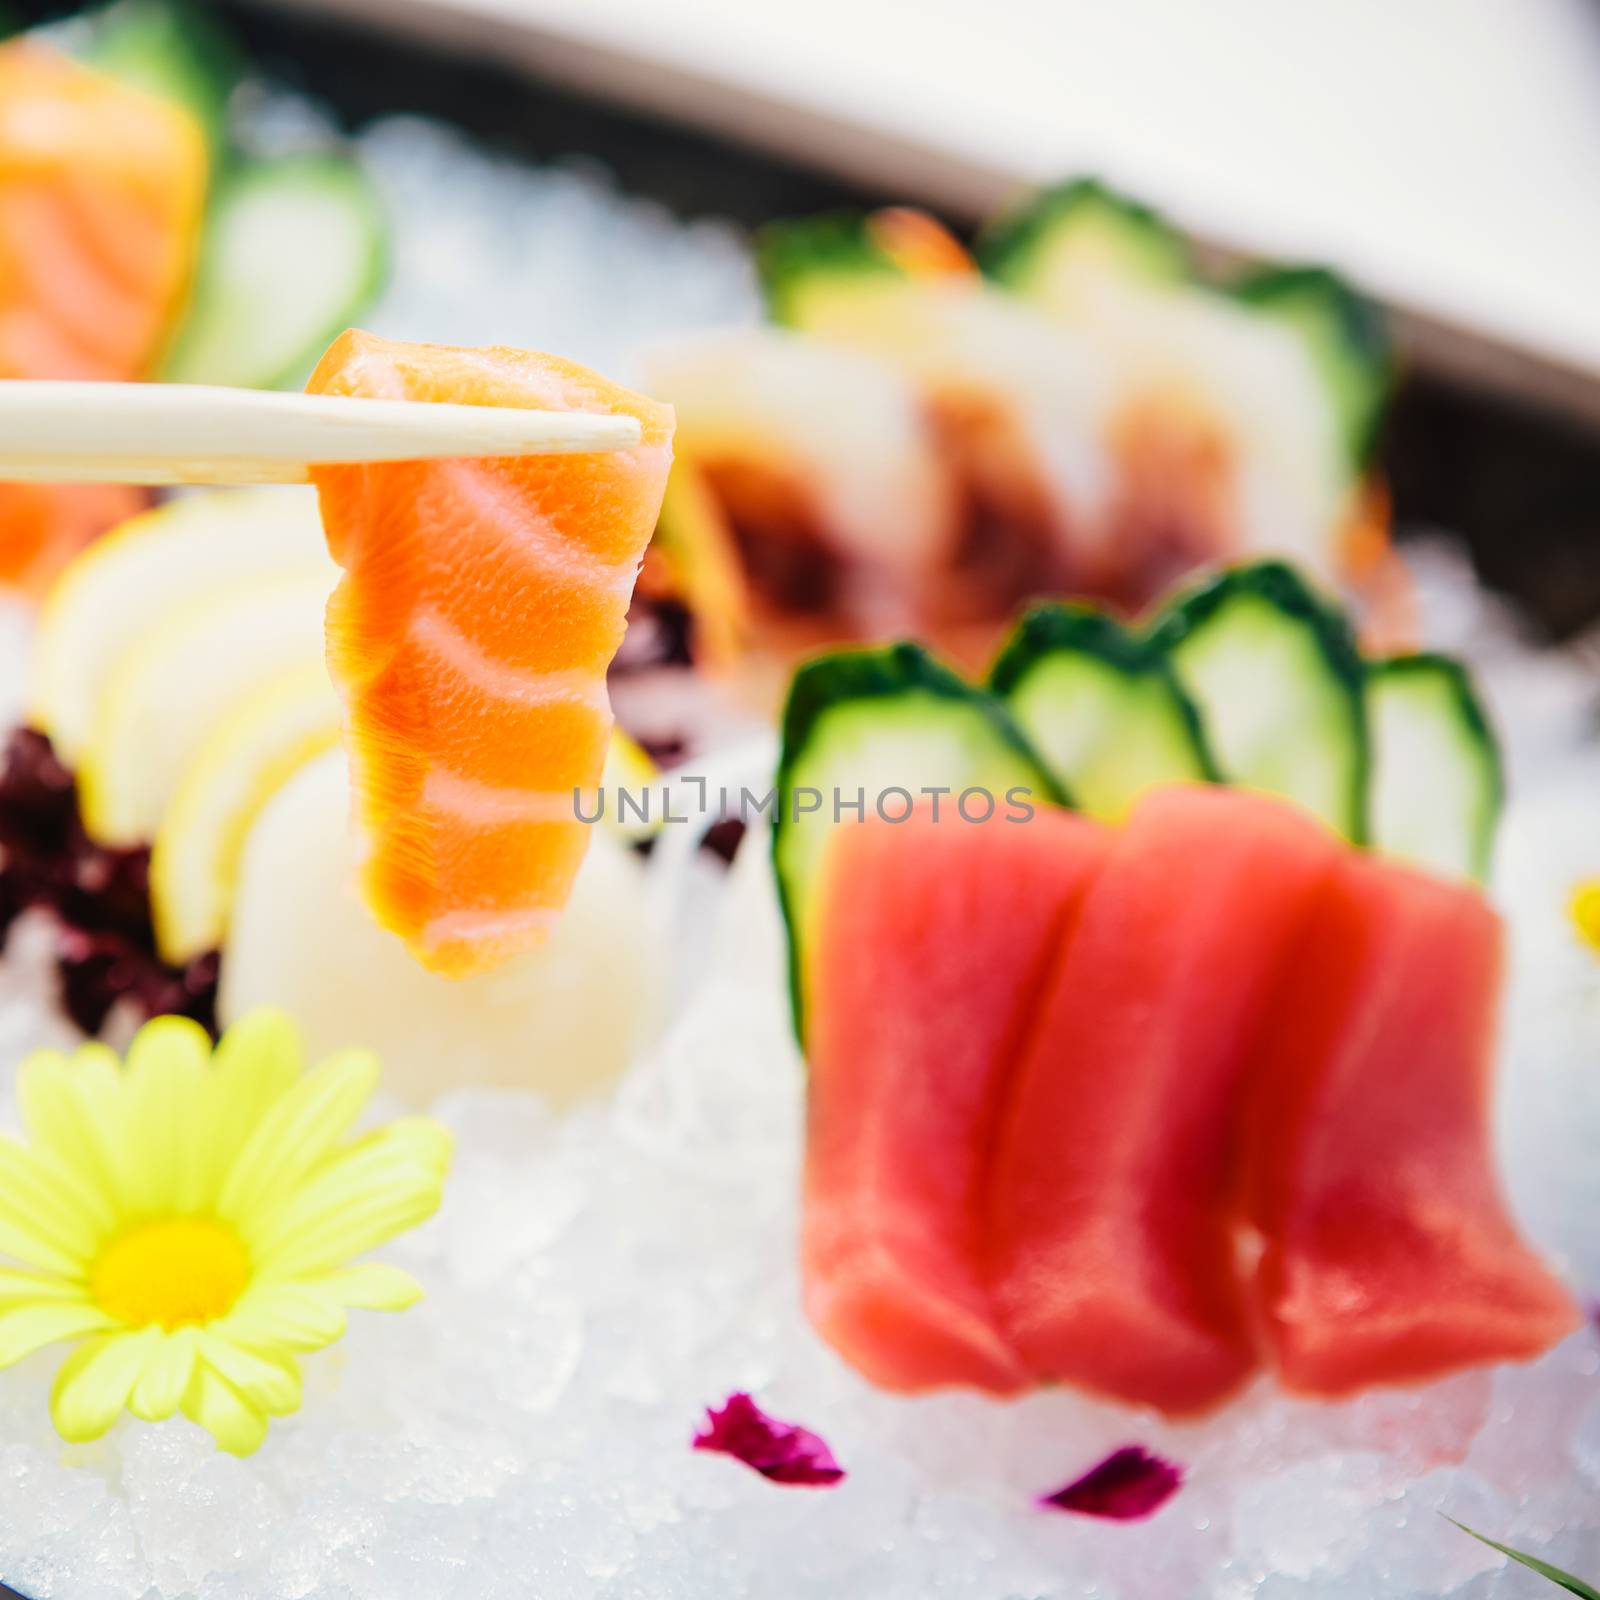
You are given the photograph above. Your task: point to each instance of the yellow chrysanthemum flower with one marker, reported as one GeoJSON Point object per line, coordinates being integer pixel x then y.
{"type": "Point", "coordinates": [191, 1218]}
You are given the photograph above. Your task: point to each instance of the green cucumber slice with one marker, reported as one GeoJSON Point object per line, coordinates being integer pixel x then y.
{"type": "Point", "coordinates": [1275, 674]}
{"type": "Point", "coordinates": [1347, 336]}
{"type": "Point", "coordinates": [884, 722]}
{"type": "Point", "coordinates": [171, 48]}
{"type": "Point", "coordinates": [294, 248]}
{"type": "Point", "coordinates": [1063, 242]}
{"type": "Point", "coordinates": [1101, 706]}
{"type": "Point", "coordinates": [797, 260]}
{"type": "Point", "coordinates": [1437, 780]}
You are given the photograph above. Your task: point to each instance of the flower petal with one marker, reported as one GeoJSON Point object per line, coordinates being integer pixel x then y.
{"type": "Point", "coordinates": [1129, 1485]}
{"type": "Point", "coordinates": [43, 1220]}
{"type": "Point", "coordinates": [219, 1408]}
{"type": "Point", "coordinates": [782, 1451]}
{"type": "Point", "coordinates": [95, 1380]}
{"type": "Point", "coordinates": [165, 1379]}
{"type": "Point", "coordinates": [386, 1183]}
{"type": "Point", "coordinates": [166, 1070]}
{"type": "Point", "coordinates": [72, 1108]}
{"type": "Point", "coordinates": [430, 1144]}
{"type": "Point", "coordinates": [296, 1133]}
{"type": "Point", "coordinates": [255, 1063]}
{"type": "Point", "coordinates": [86, 1193]}
{"type": "Point", "coordinates": [24, 1244]}
{"type": "Point", "coordinates": [271, 1383]}
{"type": "Point", "coordinates": [28, 1328]}
{"type": "Point", "coordinates": [364, 1222]}
{"type": "Point", "coordinates": [33, 1288]}
{"type": "Point", "coordinates": [292, 1316]}
{"type": "Point", "coordinates": [372, 1286]}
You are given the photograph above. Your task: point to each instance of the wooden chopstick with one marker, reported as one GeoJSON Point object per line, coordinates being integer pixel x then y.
{"type": "Point", "coordinates": [163, 433]}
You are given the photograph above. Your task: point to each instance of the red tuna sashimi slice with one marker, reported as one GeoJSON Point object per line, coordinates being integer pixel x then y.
{"type": "Point", "coordinates": [1389, 1256]}
{"type": "Point", "coordinates": [1112, 1197]}
{"type": "Point", "coordinates": [935, 937]}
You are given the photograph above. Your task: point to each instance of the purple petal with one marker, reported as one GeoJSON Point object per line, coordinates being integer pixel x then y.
{"type": "Point", "coordinates": [1128, 1485]}
{"type": "Point", "coordinates": [782, 1451]}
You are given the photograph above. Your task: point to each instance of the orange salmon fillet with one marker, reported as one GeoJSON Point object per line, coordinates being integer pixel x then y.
{"type": "Point", "coordinates": [101, 193]}
{"type": "Point", "coordinates": [481, 605]}
{"type": "Point", "coordinates": [44, 525]}
{"type": "Point", "coordinates": [101, 196]}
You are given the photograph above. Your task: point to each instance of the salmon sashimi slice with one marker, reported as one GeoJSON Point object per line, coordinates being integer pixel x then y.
{"type": "Point", "coordinates": [101, 195]}
{"type": "Point", "coordinates": [102, 188]}
{"type": "Point", "coordinates": [481, 605]}
{"type": "Point", "coordinates": [921, 992]}
{"type": "Point", "coordinates": [1389, 1256]}
{"type": "Point", "coordinates": [1112, 1196]}
{"type": "Point", "coordinates": [44, 525]}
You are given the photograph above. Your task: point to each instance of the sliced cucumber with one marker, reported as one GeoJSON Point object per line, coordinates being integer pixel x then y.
{"type": "Point", "coordinates": [1437, 782]}
{"type": "Point", "coordinates": [294, 249]}
{"type": "Point", "coordinates": [1274, 672]}
{"type": "Point", "coordinates": [171, 48]}
{"type": "Point", "coordinates": [1101, 707]}
{"type": "Point", "coordinates": [1060, 246]}
{"type": "Point", "coordinates": [883, 725]}
{"type": "Point", "coordinates": [1348, 339]}
{"type": "Point", "coordinates": [801, 261]}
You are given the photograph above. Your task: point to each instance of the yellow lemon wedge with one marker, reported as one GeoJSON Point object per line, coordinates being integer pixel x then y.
{"type": "Point", "coordinates": [629, 769]}
{"type": "Point", "coordinates": [108, 596]}
{"type": "Point", "coordinates": [694, 540]}
{"type": "Point", "coordinates": [264, 735]}
{"type": "Point", "coordinates": [174, 685]}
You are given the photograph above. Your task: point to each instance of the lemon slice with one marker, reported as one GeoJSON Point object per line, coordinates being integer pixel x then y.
{"type": "Point", "coordinates": [263, 737]}
{"type": "Point", "coordinates": [629, 768]}
{"type": "Point", "coordinates": [564, 1019]}
{"type": "Point", "coordinates": [693, 537]}
{"type": "Point", "coordinates": [174, 685]}
{"type": "Point", "coordinates": [107, 597]}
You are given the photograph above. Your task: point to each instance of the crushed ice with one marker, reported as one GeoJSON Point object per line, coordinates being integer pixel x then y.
{"type": "Point", "coordinates": [592, 1278]}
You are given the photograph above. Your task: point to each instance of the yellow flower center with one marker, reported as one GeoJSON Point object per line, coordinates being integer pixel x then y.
{"type": "Point", "coordinates": [186, 1269]}
{"type": "Point", "coordinates": [1583, 907]}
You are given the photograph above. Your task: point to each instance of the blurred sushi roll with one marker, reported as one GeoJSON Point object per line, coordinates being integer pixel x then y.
{"type": "Point", "coordinates": [1005, 394]}
{"type": "Point", "coordinates": [818, 459]}
{"type": "Point", "coordinates": [1245, 412]}
{"type": "Point", "coordinates": [936, 437]}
